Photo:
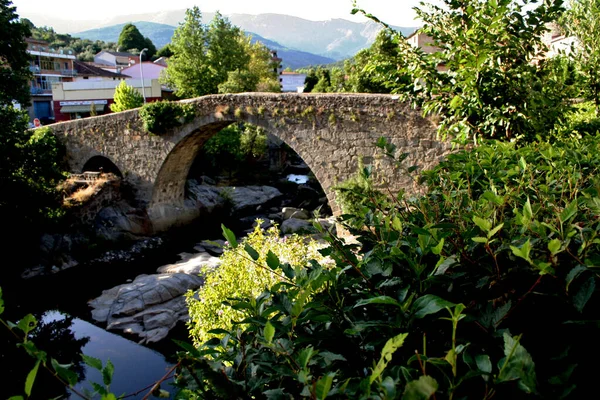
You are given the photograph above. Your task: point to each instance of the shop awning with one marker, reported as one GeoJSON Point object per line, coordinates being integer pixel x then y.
{"type": "Point", "coordinates": [81, 109]}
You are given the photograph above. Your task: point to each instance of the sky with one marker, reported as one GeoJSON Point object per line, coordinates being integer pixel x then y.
{"type": "Point", "coordinates": [395, 12]}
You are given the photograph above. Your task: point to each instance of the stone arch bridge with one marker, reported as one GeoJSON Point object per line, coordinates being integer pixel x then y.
{"type": "Point", "coordinates": [330, 132]}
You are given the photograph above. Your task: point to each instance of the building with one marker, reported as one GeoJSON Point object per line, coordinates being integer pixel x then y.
{"type": "Point", "coordinates": [91, 72]}
{"type": "Point", "coordinates": [49, 66]}
{"type": "Point", "coordinates": [422, 41]}
{"type": "Point", "coordinates": [73, 100]}
{"type": "Point", "coordinates": [292, 82]}
{"type": "Point", "coordinates": [151, 70]}
{"type": "Point", "coordinates": [115, 61]}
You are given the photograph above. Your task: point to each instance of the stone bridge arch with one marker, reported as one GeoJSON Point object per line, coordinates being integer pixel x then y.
{"type": "Point", "coordinates": [330, 132]}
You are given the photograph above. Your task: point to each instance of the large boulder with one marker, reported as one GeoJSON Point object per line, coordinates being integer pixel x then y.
{"type": "Point", "coordinates": [249, 197]}
{"type": "Point", "coordinates": [149, 306]}
{"type": "Point", "coordinates": [294, 225]}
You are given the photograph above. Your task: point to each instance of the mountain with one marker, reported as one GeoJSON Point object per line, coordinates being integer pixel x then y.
{"type": "Point", "coordinates": [336, 38]}
{"type": "Point", "coordinates": [291, 58]}
{"type": "Point", "coordinates": [160, 34]}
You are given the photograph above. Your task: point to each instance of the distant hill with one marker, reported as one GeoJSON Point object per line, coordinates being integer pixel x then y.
{"type": "Point", "coordinates": [337, 38]}
{"type": "Point", "coordinates": [161, 34]}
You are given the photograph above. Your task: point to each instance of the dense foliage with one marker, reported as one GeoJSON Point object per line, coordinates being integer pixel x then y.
{"type": "Point", "coordinates": [239, 276]}
{"type": "Point", "coordinates": [126, 97]}
{"type": "Point", "coordinates": [160, 116]}
{"type": "Point", "coordinates": [241, 145]}
{"type": "Point", "coordinates": [581, 20]}
{"type": "Point", "coordinates": [29, 160]}
{"type": "Point", "coordinates": [461, 285]}
{"type": "Point", "coordinates": [213, 58]}
{"type": "Point", "coordinates": [132, 40]}
{"type": "Point", "coordinates": [85, 49]}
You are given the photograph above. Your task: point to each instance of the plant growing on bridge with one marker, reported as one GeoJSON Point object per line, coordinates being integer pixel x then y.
{"type": "Point", "coordinates": [161, 116]}
{"type": "Point", "coordinates": [126, 97]}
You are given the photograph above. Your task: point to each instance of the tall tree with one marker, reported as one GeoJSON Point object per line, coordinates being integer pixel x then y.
{"type": "Point", "coordinates": [582, 20]}
{"type": "Point", "coordinates": [131, 39]}
{"type": "Point", "coordinates": [213, 58]}
{"type": "Point", "coordinates": [188, 72]}
{"type": "Point", "coordinates": [482, 79]}
{"type": "Point", "coordinates": [14, 60]}
{"type": "Point", "coordinates": [28, 160]}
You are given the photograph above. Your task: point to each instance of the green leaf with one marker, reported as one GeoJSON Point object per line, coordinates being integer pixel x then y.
{"type": "Point", "coordinates": [483, 224]}
{"type": "Point", "coordinates": [396, 224]}
{"type": "Point", "coordinates": [443, 264]}
{"type": "Point", "coordinates": [324, 386]}
{"type": "Point", "coordinates": [438, 248]}
{"type": "Point", "coordinates": [422, 388]}
{"type": "Point", "coordinates": [93, 362]}
{"type": "Point", "coordinates": [329, 357]}
{"type": "Point", "coordinates": [269, 332]}
{"type": "Point", "coordinates": [493, 198]}
{"type": "Point", "coordinates": [554, 246]}
{"type": "Point", "coordinates": [305, 355]}
{"type": "Point", "coordinates": [1, 302]}
{"type": "Point", "coordinates": [522, 164]}
{"type": "Point", "coordinates": [27, 324]}
{"type": "Point", "coordinates": [253, 253]}
{"type": "Point", "coordinates": [389, 349]}
{"type": "Point", "coordinates": [527, 210]}
{"type": "Point", "coordinates": [16, 398]}
{"type": "Point", "coordinates": [584, 293]}
{"type": "Point", "coordinates": [495, 230]}
{"type": "Point", "coordinates": [479, 239]}
{"type": "Point", "coordinates": [517, 365]}
{"type": "Point", "coordinates": [229, 236]}
{"type": "Point", "coordinates": [64, 372]}
{"type": "Point", "coordinates": [378, 300]}
{"type": "Point", "coordinates": [569, 211]}
{"type": "Point", "coordinates": [107, 372]}
{"type": "Point", "coordinates": [574, 273]}
{"type": "Point", "coordinates": [483, 363]}
{"type": "Point", "coordinates": [31, 378]}
{"type": "Point", "coordinates": [272, 260]}
{"type": "Point", "coordinates": [429, 304]}
{"type": "Point", "coordinates": [523, 251]}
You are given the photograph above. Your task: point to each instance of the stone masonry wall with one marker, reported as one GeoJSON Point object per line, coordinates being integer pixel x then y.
{"type": "Point", "coordinates": [330, 132]}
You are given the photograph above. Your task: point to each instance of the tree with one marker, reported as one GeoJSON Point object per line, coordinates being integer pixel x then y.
{"type": "Point", "coordinates": [131, 39]}
{"type": "Point", "coordinates": [188, 72]}
{"type": "Point", "coordinates": [582, 21]}
{"type": "Point", "coordinates": [483, 80]}
{"type": "Point", "coordinates": [126, 98]}
{"type": "Point", "coordinates": [256, 75]}
{"type": "Point", "coordinates": [29, 160]}
{"type": "Point", "coordinates": [218, 57]}
{"type": "Point", "coordinates": [165, 51]}
{"type": "Point", "coordinates": [375, 70]}
{"type": "Point", "coordinates": [151, 52]}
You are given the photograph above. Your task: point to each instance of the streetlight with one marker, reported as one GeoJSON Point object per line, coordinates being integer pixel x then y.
{"type": "Point", "coordinates": [142, 75]}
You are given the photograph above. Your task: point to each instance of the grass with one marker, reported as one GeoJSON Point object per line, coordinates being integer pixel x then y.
{"type": "Point", "coordinates": [79, 192]}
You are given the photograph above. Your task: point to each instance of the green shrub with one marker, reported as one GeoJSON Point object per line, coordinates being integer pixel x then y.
{"type": "Point", "coordinates": [126, 97]}
{"type": "Point", "coordinates": [239, 276]}
{"type": "Point", "coordinates": [160, 116]}
{"type": "Point", "coordinates": [485, 287]}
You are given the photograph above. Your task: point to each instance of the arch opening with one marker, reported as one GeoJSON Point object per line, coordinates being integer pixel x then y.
{"type": "Point", "coordinates": [101, 164]}
{"type": "Point", "coordinates": [255, 173]}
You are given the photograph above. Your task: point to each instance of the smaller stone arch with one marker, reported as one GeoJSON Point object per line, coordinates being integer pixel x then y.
{"type": "Point", "coordinates": [101, 164]}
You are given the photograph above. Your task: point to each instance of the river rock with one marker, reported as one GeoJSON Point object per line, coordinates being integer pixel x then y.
{"type": "Point", "coordinates": [298, 213]}
{"type": "Point", "coordinates": [191, 264]}
{"type": "Point", "coordinates": [214, 247]}
{"type": "Point", "coordinates": [149, 306]}
{"type": "Point", "coordinates": [120, 222]}
{"type": "Point", "coordinates": [247, 197]}
{"type": "Point", "coordinates": [205, 197]}
{"type": "Point", "coordinates": [294, 225]}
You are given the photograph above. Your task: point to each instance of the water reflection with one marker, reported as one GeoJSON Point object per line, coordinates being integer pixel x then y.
{"type": "Point", "coordinates": [136, 367]}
